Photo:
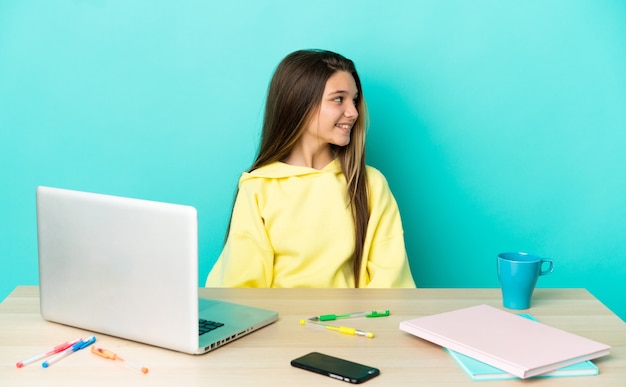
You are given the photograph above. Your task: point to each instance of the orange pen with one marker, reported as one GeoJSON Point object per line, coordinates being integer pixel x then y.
{"type": "Point", "coordinates": [105, 353]}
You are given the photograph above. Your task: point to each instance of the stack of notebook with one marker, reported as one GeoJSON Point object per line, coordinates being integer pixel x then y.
{"type": "Point", "coordinates": [489, 343]}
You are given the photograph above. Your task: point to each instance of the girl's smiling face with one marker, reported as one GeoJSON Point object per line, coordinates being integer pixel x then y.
{"type": "Point", "coordinates": [332, 122]}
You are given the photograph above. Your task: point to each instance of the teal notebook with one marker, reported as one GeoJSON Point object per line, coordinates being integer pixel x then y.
{"type": "Point", "coordinates": [478, 370]}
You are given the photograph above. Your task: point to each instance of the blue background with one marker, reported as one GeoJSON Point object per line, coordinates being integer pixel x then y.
{"type": "Point", "coordinates": [499, 124]}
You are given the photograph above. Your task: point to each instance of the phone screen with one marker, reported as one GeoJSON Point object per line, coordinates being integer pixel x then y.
{"type": "Point", "coordinates": [335, 367]}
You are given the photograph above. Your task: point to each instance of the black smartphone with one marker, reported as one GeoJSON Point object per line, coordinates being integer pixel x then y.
{"type": "Point", "coordinates": [335, 367]}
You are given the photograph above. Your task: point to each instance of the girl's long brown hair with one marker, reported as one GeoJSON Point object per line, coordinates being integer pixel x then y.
{"type": "Point", "coordinates": [294, 94]}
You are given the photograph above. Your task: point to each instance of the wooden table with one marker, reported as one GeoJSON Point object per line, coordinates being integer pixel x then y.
{"type": "Point", "coordinates": [263, 357]}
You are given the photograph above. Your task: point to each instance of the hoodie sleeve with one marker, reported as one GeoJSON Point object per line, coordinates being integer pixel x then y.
{"type": "Point", "coordinates": [387, 264]}
{"type": "Point", "coordinates": [247, 259]}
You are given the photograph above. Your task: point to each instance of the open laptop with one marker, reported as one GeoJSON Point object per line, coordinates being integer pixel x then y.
{"type": "Point", "coordinates": [129, 268]}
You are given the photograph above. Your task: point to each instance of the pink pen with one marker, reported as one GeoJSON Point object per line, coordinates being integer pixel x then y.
{"type": "Point", "coordinates": [57, 349]}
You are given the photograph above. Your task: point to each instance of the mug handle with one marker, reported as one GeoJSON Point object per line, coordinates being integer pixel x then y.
{"type": "Point", "coordinates": [550, 268]}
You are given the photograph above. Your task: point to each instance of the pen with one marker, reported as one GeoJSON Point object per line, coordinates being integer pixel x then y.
{"type": "Point", "coordinates": [105, 353]}
{"type": "Point", "coordinates": [76, 347]}
{"type": "Point", "coordinates": [346, 330]}
{"type": "Point", "coordinates": [56, 349]}
{"type": "Point", "coordinates": [330, 317]}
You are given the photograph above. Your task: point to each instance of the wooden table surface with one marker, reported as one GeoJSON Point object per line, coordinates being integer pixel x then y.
{"type": "Point", "coordinates": [262, 358]}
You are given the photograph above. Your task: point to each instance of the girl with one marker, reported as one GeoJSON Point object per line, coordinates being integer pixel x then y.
{"type": "Point", "coordinates": [309, 212]}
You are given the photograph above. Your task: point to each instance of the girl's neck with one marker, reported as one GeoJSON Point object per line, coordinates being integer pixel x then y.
{"type": "Point", "coordinates": [316, 159]}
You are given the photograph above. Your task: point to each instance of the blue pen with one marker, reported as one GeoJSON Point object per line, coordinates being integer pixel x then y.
{"type": "Point", "coordinates": [76, 347]}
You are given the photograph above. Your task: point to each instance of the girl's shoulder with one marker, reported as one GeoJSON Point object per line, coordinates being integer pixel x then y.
{"type": "Point", "coordinates": [375, 177]}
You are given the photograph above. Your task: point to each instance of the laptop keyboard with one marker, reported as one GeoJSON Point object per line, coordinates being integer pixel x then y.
{"type": "Point", "coordinates": [207, 326]}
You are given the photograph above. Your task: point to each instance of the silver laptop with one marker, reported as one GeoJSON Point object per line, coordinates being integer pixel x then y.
{"type": "Point", "coordinates": [129, 268]}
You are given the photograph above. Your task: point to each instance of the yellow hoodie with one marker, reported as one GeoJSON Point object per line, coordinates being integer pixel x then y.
{"type": "Point", "coordinates": [292, 227]}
